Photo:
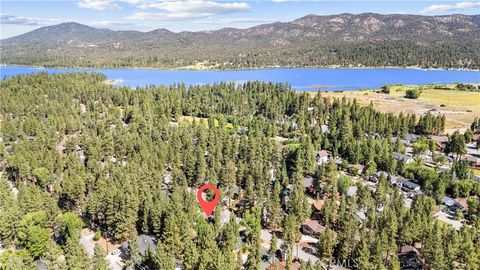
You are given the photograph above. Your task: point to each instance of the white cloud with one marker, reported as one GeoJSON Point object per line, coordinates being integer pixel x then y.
{"type": "Point", "coordinates": [450, 7]}
{"type": "Point", "coordinates": [98, 4]}
{"type": "Point", "coordinates": [230, 21]}
{"type": "Point", "coordinates": [19, 20]}
{"type": "Point", "coordinates": [189, 9]}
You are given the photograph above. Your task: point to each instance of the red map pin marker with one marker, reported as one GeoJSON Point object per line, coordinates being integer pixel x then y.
{"type": "Point", "coordinates": [208, 206]}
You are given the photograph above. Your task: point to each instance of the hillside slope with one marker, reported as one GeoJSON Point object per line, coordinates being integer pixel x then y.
{"type": "Point", "coordinates": [368, 39]}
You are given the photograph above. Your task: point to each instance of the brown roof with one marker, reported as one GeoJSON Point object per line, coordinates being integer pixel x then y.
{"type": "Point", "coordinates": [323, 153]}
{"type": "Point", "coordinates": [315, 226]}
{"type": "Point", "coordinates": [318, 205]}
{"type": "Point", "coordinates": [283, 265]}
{"type": "Point", "coordinates": [439, 139]}
{"type": "Point", "coordinates": [407, 249]}
{"type": "Point", "coordinates": [462, 202]}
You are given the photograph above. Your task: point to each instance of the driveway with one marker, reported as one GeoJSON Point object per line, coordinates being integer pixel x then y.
{"type": "Point", "coordinates": [446, 218]}
{"type": "Point", "coordinates": [87, 242]}
{"type": "Point", "coordinates": [114, 261]}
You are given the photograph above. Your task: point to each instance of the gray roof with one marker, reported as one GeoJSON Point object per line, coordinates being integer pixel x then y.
{"type": "Point", "coordinates": [352, 191]}
{"type": "Point", "coordinates": [307, 181]}
{"type": "Point", "coordinates": [145, 241]}
{"type": "Point", "coordinates": [40, 264]}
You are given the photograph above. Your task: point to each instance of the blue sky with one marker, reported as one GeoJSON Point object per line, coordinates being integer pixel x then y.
{"type": "Point", "coordinates": [19, 16]}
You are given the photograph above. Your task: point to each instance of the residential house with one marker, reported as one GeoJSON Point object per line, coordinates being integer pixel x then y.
{"type": "Point", "coordinates": [322, 157]}
{"type": "Point", "coordinates": [407, 158]}
{"type": "Point", "coordinates": [144, 242]}
{"type": "Point", "coordinates": [283, 266]}
{"type": "Point", "coordinates": [440, 141]}
{"type": "Point", "coordinates": [376, 176]}
{"type": "Point", "coordinates": [308, 184]}
{"type": "Point", "coordinates": [324, 128]}
{"type": "Point", "coordinates": [312, 228]}
{"type": "Point", "coordinates": [409, 139]}
{"type": "Point", "coordinates": [409, 258]}
{"type": "Point", "coordinates": [355, 169]}
{"type": "Point", "coordinates": [472, 160]}
{"type": "Point", "coordinates": [447, 201]}
{"type": "Point", "coordinates": [352, 191]}
{"type": "Point", "coordinates": [461, 204]}
{"type": "Point", "coordinates": [409, 186]}
{"type": "Point", "coordinates": [317, 207]}
{"type": "Point", "coordinates": [41, 265]}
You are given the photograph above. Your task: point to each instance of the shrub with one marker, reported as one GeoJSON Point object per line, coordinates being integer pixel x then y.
{"type": "Point", "coordinates": [413, 93]}
{"type": "Point", "coordinates": [97, 235]}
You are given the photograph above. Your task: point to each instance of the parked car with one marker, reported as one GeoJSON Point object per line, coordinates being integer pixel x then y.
{"type": "Point", "coordinates": [115, 252]}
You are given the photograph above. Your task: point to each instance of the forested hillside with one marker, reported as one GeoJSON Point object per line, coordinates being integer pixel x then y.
{"type": "Point", "coordinates": [76, 152]}
{"type": "Point", "coordinates": [369, 39]}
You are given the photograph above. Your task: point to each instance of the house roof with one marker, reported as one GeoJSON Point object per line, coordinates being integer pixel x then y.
{"type": "Point", "coordinates": [448, 201]}
{"type": "Point", "coordinates": [323, 153]}
{"type": "Point", "coordinates": [315, 226]}
{"type": "Point", "coordinates": [407, 249]}
{"type": "Point", "coordinates": [283, 265]}
{"type": "Point", "coordinates": [40, 264]}
{"type": "Point", "coordinates": [307, 181]}
{"type": "Point", "coordinates": [439, 139]}
{"type": "Point", "coordinates": [462, 202]}
{"type": "Point", "coordinates": [410, 184]}
{"type": "Point", "coordinates": [144, 242]}
{"type": "Point", "coordinates": [318, 204]}
{"type": "Point", "coordinates": [352, 191]}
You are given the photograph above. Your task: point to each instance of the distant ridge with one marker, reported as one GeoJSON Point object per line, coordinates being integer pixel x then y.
{"type": "Point", "coordinates": [369, 39]}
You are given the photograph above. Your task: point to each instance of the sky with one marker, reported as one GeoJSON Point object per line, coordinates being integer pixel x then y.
{"type": "Point", "coordinates": [20, 16]}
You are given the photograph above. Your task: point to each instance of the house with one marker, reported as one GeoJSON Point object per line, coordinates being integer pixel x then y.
{"type": "Point", "coordinates": [410, 186]}
{"type": "Point", "coordinates": [447, 201]}
{"type": "Point", "coordinates": [283, 266]}
{"type": "Point", "coordinates": [403, 157]}
{"type": "Point", "coordinates": [361, 216]}
{"type": "Point", "coordinates": [352, 191]}
{"type": "Point", "coordinates": [462, 204]}
{"type": "Point", "coordinates": [41, 265]}
{"type": "Point", "coordinates": [317, 207]}
{"type": "Point", "coordinates": [308, 182]}
{"type": "Point", "coordinates": [144, 242]}
{"type": "Point", "coordinates": [409, 139]}
{"type": "Point", "coordinates": [324, 128]}
{"type": "Point", "coordinates": [376, 176]}
{"type": "Point", "coordinates": [312, 228]}
{"type": "Point", "coordinates": [225, 216]}
{"type": "Point", "coordinates": [409, 258]}
{"type": "Point", "coordinates": [396, 180]}
{"type": "Point", "coordinates": [322, 157]}
{"type": "Point", "coordinates": [355, 169]}
{"type": "Point", "coordinates": [472, 160]}
{"type": "Point", "coordinates": [440, 141]}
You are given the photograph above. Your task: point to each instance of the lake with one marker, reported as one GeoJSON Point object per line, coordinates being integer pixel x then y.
{"type": "Point", "coordinates": [301, 79]}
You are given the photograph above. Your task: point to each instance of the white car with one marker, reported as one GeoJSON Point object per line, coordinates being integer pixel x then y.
{"type": "Point", "coordinates": [115, 252]}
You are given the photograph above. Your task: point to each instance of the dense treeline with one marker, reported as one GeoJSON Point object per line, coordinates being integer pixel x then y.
{"type": "Point", "coordinates": [373, 54]}
{"type": "Point", "coordinates": [75, 147]}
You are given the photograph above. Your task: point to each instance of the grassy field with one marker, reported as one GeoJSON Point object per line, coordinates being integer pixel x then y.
{"type": "Point", "coordinates": [459, 107]}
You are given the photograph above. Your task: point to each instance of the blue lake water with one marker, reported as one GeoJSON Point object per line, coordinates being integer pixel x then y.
{"type": "Point", "coordinates": [301, 79]}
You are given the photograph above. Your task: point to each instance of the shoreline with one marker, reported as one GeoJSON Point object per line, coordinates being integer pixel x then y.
{"type": "Point", "coordinates": [245, 69]}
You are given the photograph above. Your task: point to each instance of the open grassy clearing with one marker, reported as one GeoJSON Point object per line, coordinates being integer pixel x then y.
{"type": "Point", "coordinates": [460, 107]}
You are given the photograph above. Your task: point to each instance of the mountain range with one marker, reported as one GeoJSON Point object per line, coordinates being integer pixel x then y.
{"type": "Point", "coordinates": [374, 40]}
